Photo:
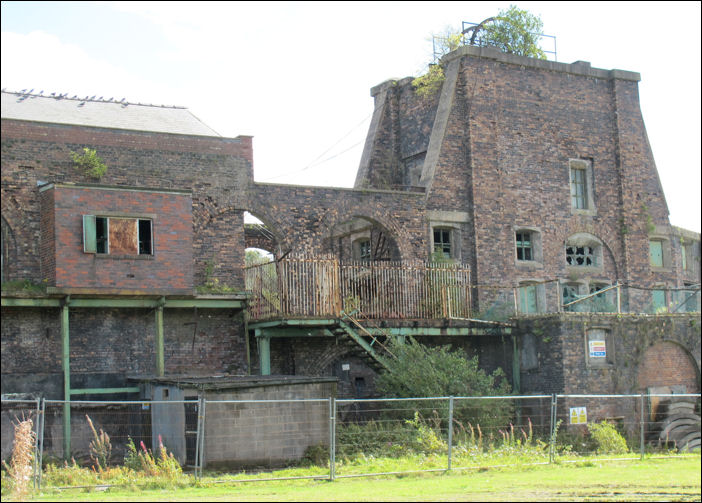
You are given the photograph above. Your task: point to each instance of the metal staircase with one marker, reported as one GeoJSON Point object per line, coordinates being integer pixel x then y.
{"type": "Point", "coordinates": [364, 344]}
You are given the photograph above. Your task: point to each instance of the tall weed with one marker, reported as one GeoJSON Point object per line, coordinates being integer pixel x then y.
{"type": "Point", "coordinates": [20, 469]}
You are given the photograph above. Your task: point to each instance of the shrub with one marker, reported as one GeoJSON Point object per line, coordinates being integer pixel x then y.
{"type": "Point", "coordinates": [89, 163]}
{"type": "Point", "coordinates": [607, 439]}
{"type": "Point", "coordinates": [423, 371]}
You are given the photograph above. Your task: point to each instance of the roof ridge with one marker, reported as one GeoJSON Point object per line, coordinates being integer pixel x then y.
{"type": "Point", "coordinates": [24, 94]}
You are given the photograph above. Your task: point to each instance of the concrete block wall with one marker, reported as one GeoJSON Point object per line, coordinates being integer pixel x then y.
{"type": "Point", "coordinates": [268, 434]}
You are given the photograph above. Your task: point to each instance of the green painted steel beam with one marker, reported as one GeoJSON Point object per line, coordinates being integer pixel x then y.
{"type": "Point", "coordinates": [205, 303]}
{"type": "Point", "coordinates": [304, 322]}
{"type": "Point", "coordinates": [160, 361]}
{"type": "Point", "coordinates": [66, 365]}
{"type": "Point", "coordinates": [264, 352]}
{"type": "Point", "coordinates": [516, 369]}
{"type": "Point", "coordinates": [15, 302]}
{"type": "Point", "coordinates": [127, 303]}
{"type": "Point", "coordinates": [433, 331]}
{"type": "Point", "coordinates": [132, 303]}
{"type": "Point", "coordinates": [279, 332]}
{"type": "Point", "coordinates": [103, 391]}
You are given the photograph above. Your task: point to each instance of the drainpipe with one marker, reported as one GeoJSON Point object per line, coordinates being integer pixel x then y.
{"type": "Point", "coordinates": [66, 365]}
{"type": "Point", "coordinates": [160, 366]}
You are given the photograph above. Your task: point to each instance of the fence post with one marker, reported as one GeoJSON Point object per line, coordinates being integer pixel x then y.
{"type": "Point", "coordinates": [35, 475]}
{"type": "Point", "coordinates": [552, 441]}
{"type": "Point", "coordinates": [450, 431]}
{"type": "Point", "coordinates": [40, 453]}
{"type": "Point", "coordinates": [332, 437]}
{"type": "Point", "coordinates": [201, 443]}
{"type": "Point", "coordinates": [642, 425]}
{"type": "Point", "coordinates": [197, 436]}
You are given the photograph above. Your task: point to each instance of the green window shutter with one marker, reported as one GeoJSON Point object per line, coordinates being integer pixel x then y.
{"type": "Point", "coordinates": [656, 248]}
{"type": "Point", "coordinates": [89, 234]}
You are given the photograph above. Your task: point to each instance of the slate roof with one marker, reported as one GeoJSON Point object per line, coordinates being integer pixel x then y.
{"type": "Point", "coordinates": [102, 113]}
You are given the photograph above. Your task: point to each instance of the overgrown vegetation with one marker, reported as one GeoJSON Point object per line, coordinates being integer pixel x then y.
{"type": "Point", "coordinates": [89, 163]}
{"type": "Point", "coordinates": [212, 285]}
{"type": "Point", "coordinates": [24, 286]}
{"type": "Point", "coordinates": [515, 31]}
{"type": "Point", "coordinates": [439, 371]}
{"type": "Point", "coordinates": [100, 447]}
{"type": "Point", "coordinates": [20, 469]}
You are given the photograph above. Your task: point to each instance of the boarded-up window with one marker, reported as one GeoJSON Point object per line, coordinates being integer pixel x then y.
{"type": "Point", "coordinates": [124, 238]}
{"type": "Point", "coordinates": [656, 253]}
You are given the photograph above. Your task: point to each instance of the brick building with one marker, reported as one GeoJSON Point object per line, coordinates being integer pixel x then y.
{"type": "Point", "coordinates": [532, 181]}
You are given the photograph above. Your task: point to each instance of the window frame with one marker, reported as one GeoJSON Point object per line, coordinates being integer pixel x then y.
{"type": "Point", "coordinates": [451, 247]}
{"type": "Point", "coordinates": [599, 333]}
{"type": "Point", "coordinates": [664, 243]}
{"type": "Point", "coordinates": [96, 234]}
{"type": "Point", "coordinates": [582, 168]}
{"type": "Point", "coordinates": [539, 296]}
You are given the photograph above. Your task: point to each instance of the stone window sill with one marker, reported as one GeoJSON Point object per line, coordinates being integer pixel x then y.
{"type": "Point", "coordinates": [123, 257]}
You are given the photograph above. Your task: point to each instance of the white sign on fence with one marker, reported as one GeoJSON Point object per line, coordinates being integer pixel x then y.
{"type": "Point", "coordinates": [578, 415]}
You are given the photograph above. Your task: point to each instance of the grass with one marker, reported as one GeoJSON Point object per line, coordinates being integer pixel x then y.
{"type": "Point", "coordinates": [653, 479]}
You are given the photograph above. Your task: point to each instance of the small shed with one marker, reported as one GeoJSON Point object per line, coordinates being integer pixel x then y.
{"type": "Point", "coordinates": [249, 421]}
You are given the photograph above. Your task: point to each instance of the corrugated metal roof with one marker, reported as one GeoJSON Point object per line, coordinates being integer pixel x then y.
{"type": "Point", "coordinates": [102, 113]}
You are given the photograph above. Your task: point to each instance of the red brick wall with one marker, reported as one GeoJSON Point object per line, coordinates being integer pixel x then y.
{"type": "Point", "coordinates": [668, 364]}
{"type": "Point", "coordinates": [216, 170]}
{"type": "Point", "coordinates": [168, 269]}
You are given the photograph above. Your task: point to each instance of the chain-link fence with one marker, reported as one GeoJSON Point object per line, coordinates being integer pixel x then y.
{"type": "Point", "coordinates": [354, 437]}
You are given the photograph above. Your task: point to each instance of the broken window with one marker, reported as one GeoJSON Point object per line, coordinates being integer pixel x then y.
{"type": "Point", "coordinates": [602, 302]}
{"type": "Point", "coordinates": [364, 249]}
{"type": "Point", "coordinates": [525, 249]}
{"type": "Point", "coordinates": [570, 294]}
{"type": "Point", "coordinates": [117, 235]}
{"type": "Point", "coordinates": [581, 255]}
{"type": "Point", "coordinates": [442, 242]}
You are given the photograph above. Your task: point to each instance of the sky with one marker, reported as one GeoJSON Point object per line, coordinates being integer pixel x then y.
{"type": "Point", "coordinates": [297, 76]}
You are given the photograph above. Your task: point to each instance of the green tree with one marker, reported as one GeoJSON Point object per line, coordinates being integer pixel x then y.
{"type": "Point", "coordinates": [515, 31]}
{"type": "Point", "coordinates": [438, 371]}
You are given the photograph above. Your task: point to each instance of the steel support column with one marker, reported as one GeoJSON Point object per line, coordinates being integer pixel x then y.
{"type": "Point", "coordinates": [66, 365]}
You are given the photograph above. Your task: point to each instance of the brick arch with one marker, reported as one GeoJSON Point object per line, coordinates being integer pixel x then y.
{"type": "Point", "coordinates": [327, 357]}
{"type": "Point", "coordinates": [667, 363]}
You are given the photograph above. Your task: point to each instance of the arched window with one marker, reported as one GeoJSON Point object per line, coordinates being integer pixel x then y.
{"type": "Point", "coordinates": [583, 251]}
